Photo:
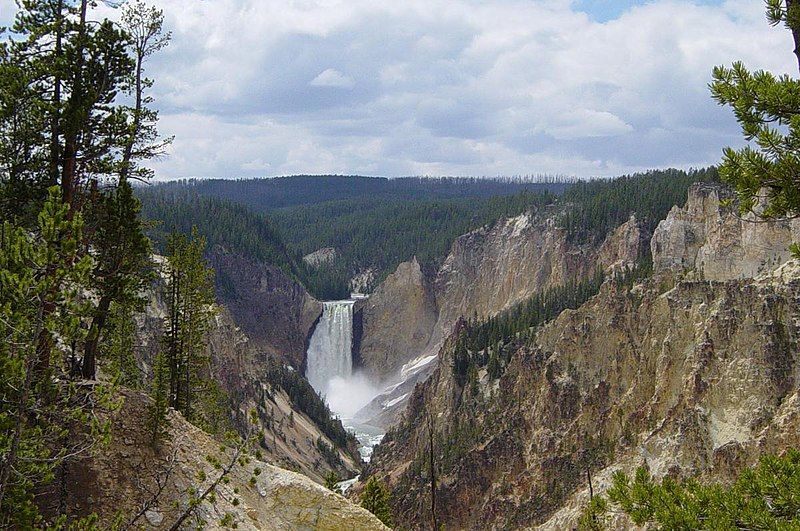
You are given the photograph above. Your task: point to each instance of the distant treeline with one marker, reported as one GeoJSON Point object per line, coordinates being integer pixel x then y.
{"type": "Point", "coordinates": [265, 195]}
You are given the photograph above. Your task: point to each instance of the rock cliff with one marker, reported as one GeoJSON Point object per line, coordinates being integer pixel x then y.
{"type": "Point", "coordinates": [397, 321]}
{"type": "Point", "coordinates": [274, 310]}
{"type": "Point", "coordinates": [690, 377]}
{"type": "Point", "coordinates": [710, 238]}
{"type": "Point", "coordinates": [487, 271]}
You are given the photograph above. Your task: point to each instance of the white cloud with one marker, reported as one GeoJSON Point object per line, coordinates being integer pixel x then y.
{"type": "Point", "coordinates": [449, 86]}
{"type": "Point", "coordinates": [332, 78]}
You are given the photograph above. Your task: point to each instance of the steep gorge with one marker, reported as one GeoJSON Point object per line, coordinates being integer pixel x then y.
{"type": "Point", "coordinates": [688, 375]}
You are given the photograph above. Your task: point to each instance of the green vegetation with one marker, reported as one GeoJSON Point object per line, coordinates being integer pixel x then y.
{"type": "Point", "coordinates": [376, 499]}
{"type": "Point", "coordinates": [220, 222]}
{"type": "Point", "coordinates": [307, 400]}
{"type": "Point", "coordinates": [182, 379]}
{"type": "Point", "coordinates": [42, 276]}
{"type": "Point", "coordinates": [595, 208]}
{"type": "Point", "coordinates": [332, 481]}
{"type": "Point", "coordinates": [367, 232]}
{"type": "Point", "coordinates": [329, 453]}
{"type": "Point", "coordinates": [72, 251]}
{"type": "Point", "coordinates": [267, 195]}
{"type": "Point", "coordinates": [768, 110]}
{"type": "Point", "coordinates": [764, 497]}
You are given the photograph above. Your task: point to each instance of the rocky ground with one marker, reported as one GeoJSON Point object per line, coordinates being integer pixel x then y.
{"type": "Point", "coordinates": [145, 486]}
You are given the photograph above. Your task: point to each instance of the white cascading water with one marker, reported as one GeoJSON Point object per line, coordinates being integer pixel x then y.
{"type": "Point", "coordinates": [330, 351]}
{"type": "Point", "coordinates": [329, 370]}
{"type": "Point", "coordinates": [329, 362]}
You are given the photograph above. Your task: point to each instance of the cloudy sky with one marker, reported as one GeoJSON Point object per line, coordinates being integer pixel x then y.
{"type": "Point", "coordinates": [450, 87]}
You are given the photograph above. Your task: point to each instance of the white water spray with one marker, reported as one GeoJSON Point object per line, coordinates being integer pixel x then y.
{"type": "Point", "coordinates": [329, 361]}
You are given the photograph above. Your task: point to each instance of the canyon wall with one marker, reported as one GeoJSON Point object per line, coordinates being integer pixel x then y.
{"type": "Point", "coordinates": [712, 240]}
{"type": "Point", "coordinates": [396, 321]}
{"type": "Point", "coordinates": [273, 309]}
{"type": "Point", "coordinates": [689, 376]}
{"type": "Point", "coordinates": [487, 271]}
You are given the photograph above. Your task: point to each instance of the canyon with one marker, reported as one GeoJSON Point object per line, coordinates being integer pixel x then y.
{"type": "Point", "coordinates": [691, 372]}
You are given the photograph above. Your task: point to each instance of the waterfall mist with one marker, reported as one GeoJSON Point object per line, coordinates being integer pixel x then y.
{"type": "Point", "coordinates": [329, 361]}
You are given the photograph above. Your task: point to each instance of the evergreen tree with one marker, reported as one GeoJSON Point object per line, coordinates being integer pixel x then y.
{"type": "Point", "coordinates": [764, 497]}
{"type": "Point", "coordinates": [41, 292]}
{"type": "Point", "coordinates": [158, 411]}
{"type": "Point", "coordinates": [63, 122]}
{"type": "Point", "coordinates": [119, 346]}
{"type": "Point", "coordinates": [144, 26]}
{"type": "Point", "coordinates": [332, 481]}
{"type": "Point", "coordinates": [375, 499]}
{"type": "Point", "coordinates": [190, 309]}
{"type": "Point", "coordinates": [767, 107]}
{"type": "Point", "coordinates": [123, 266]}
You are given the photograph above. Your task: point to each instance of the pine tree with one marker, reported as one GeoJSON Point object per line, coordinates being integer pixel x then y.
{"type": "Point", "coordinates": [332, 481]}
{"type": "Point", "coordinates": [764, 497]}
{"type": "Point", "coordinates": [119, 347]}
{"type": "Point", "coordinates": [767, 107]}
{"type": "Point", "coordinates": [39, 270]}
{"type": "Point", "coordinates": [123, 266]}
{"type": "Point", "coordinates": [158, 411]}
{"type": "Point", "coordinates": [144, 26]}
{"type": "Point", "coordinates": [375, 499]}
{"type": "Point", "coordinates": [190, 298]}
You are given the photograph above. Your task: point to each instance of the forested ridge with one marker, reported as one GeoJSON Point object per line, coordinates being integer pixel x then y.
{"type": "Point", "coordinates": [384, 222]}
{"type": "Point", "coordinates": [266, 195]}
{"type": "Point", "coordinates": [595, 208]}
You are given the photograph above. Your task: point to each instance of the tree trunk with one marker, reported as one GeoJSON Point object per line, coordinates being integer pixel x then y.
{"type": "Point", "coordinates": [173, 340]}
{"type": "Point", "coordinates": [434, 522]}
{"type": "Point", "coordinates": [137, 122]}
{"type": "Point", "coordinates": [55, 147]}
{"type": "Point", "coordinates": [792, 6]}
{"type": "Point", "coordinates": [89, 363]}
{"type": "Point", "coordinates": [75, 124]}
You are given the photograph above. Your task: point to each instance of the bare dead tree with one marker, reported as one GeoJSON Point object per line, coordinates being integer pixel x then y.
{"type": "Point", "coordinates": [161, 482]}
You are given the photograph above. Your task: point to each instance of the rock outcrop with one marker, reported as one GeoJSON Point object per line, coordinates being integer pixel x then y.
{"type": "Point", "coordinates": [320, 257]}
{"type": "Point", "coordinates": [397, 321]}
{"type": "Point", "coordinates": [709, 237]}
{"type": "Point", "coordinates": [624, 247]}
{"type": "Point", "coordinates": [692, 377]}
{"type": "Point", "coordinates": [123, 478]}
{"type": "Point", "coordinates": [274, 310]}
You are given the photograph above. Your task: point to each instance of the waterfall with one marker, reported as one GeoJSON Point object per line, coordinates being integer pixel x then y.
{"type": "Point", "coordinates": [330, 353]}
